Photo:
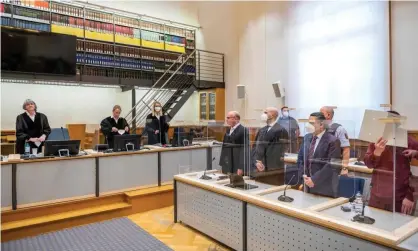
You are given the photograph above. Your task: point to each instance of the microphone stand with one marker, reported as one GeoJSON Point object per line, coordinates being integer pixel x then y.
{"type": "Point", "coordinates": [283, 197]}
{"type": "Point", "coordinates": [63, 134]}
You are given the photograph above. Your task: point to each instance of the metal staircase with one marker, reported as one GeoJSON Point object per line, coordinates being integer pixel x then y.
{"type": "Point", "coordinates": [172, 90]}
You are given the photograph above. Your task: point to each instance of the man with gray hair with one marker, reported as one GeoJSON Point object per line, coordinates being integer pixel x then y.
{"type": "Point", "coordinates": [271, 143]}
{"type": "Point", "coordinates": [32, 127]}
{"type": "Point", "coordinates": [235, 148]}
{"type": "Point", "coordinates": [340, 133]}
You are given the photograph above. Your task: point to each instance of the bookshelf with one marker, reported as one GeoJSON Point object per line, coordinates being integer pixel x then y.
{"type": "Point", "coordinates": [109, 43]}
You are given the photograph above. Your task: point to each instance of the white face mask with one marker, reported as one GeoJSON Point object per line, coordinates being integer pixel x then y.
{"type": "Point", "coordinates": [309, 128]}
{"type": "Point", "coordinates": [264, 117]}
{"type": "Point", "coordinates": [157, 109]}
{"type": "Point", "coordinates": [285, 114]}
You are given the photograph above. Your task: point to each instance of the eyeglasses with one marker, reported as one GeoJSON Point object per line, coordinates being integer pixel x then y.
{"type": "Point", "coordinates": [230, 117]}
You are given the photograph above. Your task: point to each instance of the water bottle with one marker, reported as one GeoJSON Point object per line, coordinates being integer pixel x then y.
{"type": "Point", "coordinates": [27, 148]}
{"type": "Point", "coordinates": [358, 203]}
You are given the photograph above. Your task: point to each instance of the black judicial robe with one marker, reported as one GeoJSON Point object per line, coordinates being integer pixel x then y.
{"type": "Point", "coordinates": [235, 150]}
{"type": "Point", "coordinates": [26, 129]}
{"type": "Point", "coordinates": [106, 127]}
{"type": "Point", "coordinates": [270, 146]}
{"type": "Point", "coordinates": [153, 124]}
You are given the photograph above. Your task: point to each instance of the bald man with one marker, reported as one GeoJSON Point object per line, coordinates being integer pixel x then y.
{"type": "Point", "coordinates": [235, 148]}
{"type": "Point", "coordinates": [271, 143]}
{"type": "Point", "coordinates": [340, 133]}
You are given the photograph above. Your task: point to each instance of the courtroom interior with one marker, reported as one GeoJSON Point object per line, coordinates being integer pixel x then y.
{"type": "Point", "coordinates": [209, 125]}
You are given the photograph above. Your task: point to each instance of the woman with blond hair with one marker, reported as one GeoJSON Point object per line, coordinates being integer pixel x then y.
{"type": "Point", "coordinates": [114, 125]}
{"type": "Point", "coordinates": [156, 125]}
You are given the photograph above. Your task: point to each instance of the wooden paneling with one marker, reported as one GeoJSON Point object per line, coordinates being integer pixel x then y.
{"type": "Point", "coordinates": [220, 104]}
{"type": "Point", "coordinates": [77, 131]}
{"type": "Point", "coordinates": [56, 216]}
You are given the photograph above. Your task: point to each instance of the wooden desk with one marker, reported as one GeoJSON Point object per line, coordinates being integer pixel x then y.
{"type": "Point", "coordinates": [247, 220]}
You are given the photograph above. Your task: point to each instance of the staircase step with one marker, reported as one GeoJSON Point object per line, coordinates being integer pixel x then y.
{"type": "Point", "coordinates": [14, 225]}
{"type": "Point", "coordinates": [150, 191]}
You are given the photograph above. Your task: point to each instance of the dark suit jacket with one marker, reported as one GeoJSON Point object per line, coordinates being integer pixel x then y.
{"type": "Point", "coordinates": [325, 165]}
{"type": "Point", "coordinates": [269, 147]}
{"type": "Point", "coordinates": [235, 152]}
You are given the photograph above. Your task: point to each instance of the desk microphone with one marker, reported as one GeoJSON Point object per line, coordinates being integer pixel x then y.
{"type": "Point", "coordinates": [204, 176]}
{"type": "Point", "coordinates": [63, 134]}
{"type": "Point", "coordinates": [283, 197]}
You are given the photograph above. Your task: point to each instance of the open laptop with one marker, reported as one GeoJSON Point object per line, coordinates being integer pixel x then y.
{"type": "Point", "coordinates": [372, 128]}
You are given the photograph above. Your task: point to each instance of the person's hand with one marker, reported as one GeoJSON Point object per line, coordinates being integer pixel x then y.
{"type": "Point", "coordinates": [157, 132]}
{"type": "Point", "coordinates": [410, 153]}
{"type": "Point", "coordinates": [380, 146]}
{"type": "Point", "coordinates": [308, 181]}
{"type": "Point", "coordinates": [42, 138]}
{"type": "Point", "coordinates": [114, 129]}
{"type": "Point", "coordinates": [407, 206]}
{"type": "Point", "coordinates": [33, 140]}
{"type": "Point", "coordinates": [344, 172]}
{"type": "Point", "coordinates": [240, 172]}
{"type": "Point", "coordinates": [126, 128]}
{"type": "Point", "coordinates": [260, 166]}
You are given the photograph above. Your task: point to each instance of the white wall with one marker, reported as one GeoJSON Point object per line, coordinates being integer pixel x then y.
{"type": "Point", "coordinates": [404, 64]}
{"type": "Point", "coordinates": [250, 35]}
{"type": "Point", "coordinates": [62, 104]}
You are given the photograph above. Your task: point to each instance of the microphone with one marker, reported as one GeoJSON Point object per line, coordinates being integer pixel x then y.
{"type": "Point", "coordinates": [283, 197]}
{"type": "Point", "coordinates": [63, 134]}
{"type": "Point", "coordinates": [204, 176]}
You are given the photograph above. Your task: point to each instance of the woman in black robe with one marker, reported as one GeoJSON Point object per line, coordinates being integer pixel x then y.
{"type": "Point", "coordinates": [112, 124]}
{"type": "Point", "coordinates": [31, 127]}
{"type": "Point", "coordinates": [156, 126]}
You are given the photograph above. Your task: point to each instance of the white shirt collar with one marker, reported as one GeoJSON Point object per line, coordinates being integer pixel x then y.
{"type": "Point", "coordinates": [32, 117]}
{"type": "Point", "coordinates": [235, 127]}
{"type": "Point", "coordinates": [116, 119]}
{"type": "Point", "coordinates": [319, 136]}
{"type": "Point", "coordinates": [272, 124]}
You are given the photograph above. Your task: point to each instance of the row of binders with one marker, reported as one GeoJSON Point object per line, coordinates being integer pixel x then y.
{"type": "Point", "coordinates": [76, 11]}
{"type": "Point", "coordinates": [110, 61]}
{"type": "Point", "coordinates": [40, 4]}
{"type": "Point", "coordinates": [22, 24]}
{"type": "Point", "coordinates": [37, 14]}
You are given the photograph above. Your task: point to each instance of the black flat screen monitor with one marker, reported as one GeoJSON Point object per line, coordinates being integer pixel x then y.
{"type": "Point", "coordinates": [126, 142]}
{"type": "Point", "coordinates": [62, 147]}
{"type": "Point", "coordinates": [182, 138]}
{"type": "Point", "coordinates": [38, 52]}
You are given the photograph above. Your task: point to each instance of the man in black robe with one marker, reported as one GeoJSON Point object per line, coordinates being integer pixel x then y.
{"type": "Point", "coordinates": [111, 125]}
{"type": "Point", "coordinates": [31, 127]}
{"type": "Point", "coordinates": [235, 154]}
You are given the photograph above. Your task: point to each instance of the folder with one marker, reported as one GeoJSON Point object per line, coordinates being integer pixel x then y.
{"type": "Point", "coordinates": [378, 124]}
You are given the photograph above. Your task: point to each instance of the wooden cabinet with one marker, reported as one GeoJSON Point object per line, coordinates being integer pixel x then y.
{"type": "Point", "coordinates": [212, 104]}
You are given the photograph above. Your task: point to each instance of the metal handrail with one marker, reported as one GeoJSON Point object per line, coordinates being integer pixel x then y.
{"type": "Point", "coordinates": [165, 83]}
{"type": "Point", "coordinates": [153, 86]}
